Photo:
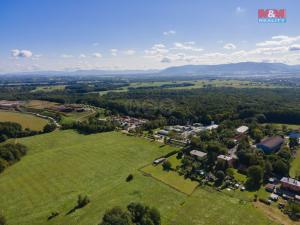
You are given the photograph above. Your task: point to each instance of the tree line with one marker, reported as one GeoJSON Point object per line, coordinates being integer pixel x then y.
{"type": "Point", "coordinates": [10, 154]}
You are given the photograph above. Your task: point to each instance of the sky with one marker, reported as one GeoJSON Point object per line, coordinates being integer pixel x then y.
{"type": "Point", "coordinates": [41, 35]}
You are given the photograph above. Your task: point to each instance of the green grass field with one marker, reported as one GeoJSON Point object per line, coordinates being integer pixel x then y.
{"type": "Point", "coordinates": [39, 104]}
{"type": "Point", "coordinates": [289, 126]}
{"type": "Point", "coordinates": [49, 88]}
{"type": "Point", "coordinates": [295, 166]}
{"type": "Point", "coordinates": [26, 120]}
{"type": "Point", "coordinates": [68, 118]}
{"type": "Point", "coordinates": [171, 178]}
{"type": "Point", "coordinates": [62, 164]}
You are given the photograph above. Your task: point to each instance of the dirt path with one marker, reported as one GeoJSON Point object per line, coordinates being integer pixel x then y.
{"type": "Point", "coordinates": [275, 214]}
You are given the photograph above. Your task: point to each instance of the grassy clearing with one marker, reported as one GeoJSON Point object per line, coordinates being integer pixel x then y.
{"type": "Point", "coordinates": [275, 214]}
{"type": "Point", "coordinates": [239, 177]}
{"type": "Point", "coordinates": [49, 88]}
{"type": "Point", "coordinates": [62, 164]}
{"type": "Point", "coordinates": [226, 83]}
{"type": "Point", "coordinates": [171, 178]}
{"type": "Point", "coordinates": [26, 120]}
{"type": "Point", "coordinates": [215, 208]}
{"type": "Point", "coordinates": [39, 104]}
{"type": "Point", "coordinates": [295, 167]}
{"type": "Point", "coordinates": [76, 116]}
{"type": "Point", "coordinates": [174, 161]}
{"type": "Point", "coordinates": [289, 126]}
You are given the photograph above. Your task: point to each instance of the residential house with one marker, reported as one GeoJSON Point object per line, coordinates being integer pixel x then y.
{"type": "Point", "coordinates": [229, 159]}
{"type": "Point", "coordinates": [242, 129]}
{"type": "Point", "coordinates": [290, 184]}
{"type": "Point", "coordinates": [198, 154]}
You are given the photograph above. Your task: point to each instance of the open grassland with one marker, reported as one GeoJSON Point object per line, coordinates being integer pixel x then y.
{"type": "Point", "coordinates": [202, 84]}
{"type": "Point", "coordinates": [26, 120]}
{"type": "Point", "coordinates": [39, 104]}
{"type": "Point", "coordinates": [49, 88]}
{"type": "Point", "coordinates": [62, 164]}
{"type": "Point", "coordinates": [226, 83]}
{"type": "Point", "coordinates": [71, 117]}
{"type": "Point", "coordinates": [171, 178]}
{"type": "Point", "coordinates": [216, 208]}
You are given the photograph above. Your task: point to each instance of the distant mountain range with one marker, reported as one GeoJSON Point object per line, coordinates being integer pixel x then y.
{"type": "Point", "coordinates": [243, 68]}
{"type": "Point", "coordinates": [231, 69]}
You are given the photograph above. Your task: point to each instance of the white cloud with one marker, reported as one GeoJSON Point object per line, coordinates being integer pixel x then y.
{"type": "Point", "coordinates": [97, 55]}
{"type": "Point", "coordinates": [279, 40]}
{"type": "Point", "coordinates": [229, 46]}
{"type": "Point", "coordinates": [129, 52]}
{"type": "Point", "coordinates": [215, 54]}
{"type": "Point", "coordinates": [187, 46]}
{"type": "Point", "coordinates": [294, 48]}
{"type": "Point", "coordinates": [280, 48]}
{"type": "Point", "coordinates": [239, 10]}
{"type": "Point", "coordinates": [21, 53]}
{"type": "Point", "coordinates": [114, 52]}
{"type": "Point", "coordinates": [272, 50]}
{"type": "Point", "coordinates": [179, 58]}
{"type": "Point", "coordinates": [169, 32]}
{"type": "Point", "coordinates": [66, 56]}
{"type": "Point", "coordinates": [157, 50]}
{"type": "Point", "coordinates": [95, 44]}
{"type": "Point", "coordinates": [36, 57]}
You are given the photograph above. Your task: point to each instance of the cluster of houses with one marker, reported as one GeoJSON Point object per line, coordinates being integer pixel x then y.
{"type": "Point", "coordinates": [68, 108]}
{"type": "Point", "coordinates": [185, 131]}
{"type": "Point", "coordinates": [288, 188]}
{"type": "Point", "coordinates": [129, 123]}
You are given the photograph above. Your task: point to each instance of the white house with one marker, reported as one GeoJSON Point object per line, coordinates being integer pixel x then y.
{"type": "Point", "coordinates": [242, 129]}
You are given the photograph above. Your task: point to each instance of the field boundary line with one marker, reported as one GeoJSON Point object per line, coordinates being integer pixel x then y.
{"type": "Point", "coordinates": [176, 189]}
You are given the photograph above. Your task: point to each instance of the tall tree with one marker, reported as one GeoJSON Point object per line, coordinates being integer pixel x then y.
{"type": "Point", "coordinates": [255, 175]}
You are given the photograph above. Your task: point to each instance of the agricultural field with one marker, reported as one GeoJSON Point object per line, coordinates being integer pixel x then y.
{"type": "Point", "coordinates": [68, 118]}
{"type": "Point", "coordinates": [171, 178]}
{"type": "Point", "coordinates": [39, 104]}
{"type": "Point", "coordinates": [49, 88]}
{"type": "Point", "coordinates": [63, 164]}
{"type": "Point", "coordinates": [197, 84]}
{"type": "Point", "coordinates": [26, 120]}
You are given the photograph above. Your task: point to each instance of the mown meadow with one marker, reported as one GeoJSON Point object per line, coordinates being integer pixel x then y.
{"type": "Point", "coordinates": [63, 164]}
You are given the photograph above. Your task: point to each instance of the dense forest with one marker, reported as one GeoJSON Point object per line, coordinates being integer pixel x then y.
{"type": "Point", "coordinates": [204, 105]}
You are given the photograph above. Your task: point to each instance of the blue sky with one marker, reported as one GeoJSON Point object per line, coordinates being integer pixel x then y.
{"type": "Point", "coordinates": [142, 34]}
